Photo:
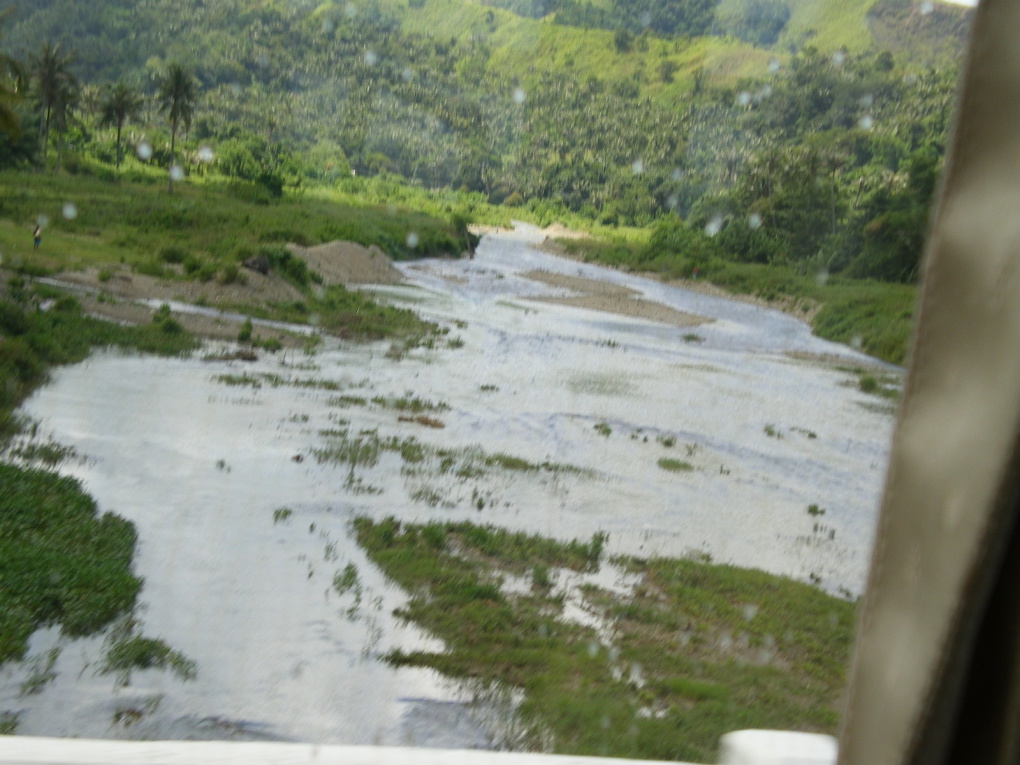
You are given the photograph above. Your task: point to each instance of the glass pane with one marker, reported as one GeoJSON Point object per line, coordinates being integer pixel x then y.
{"type": "Point", "coordinates": [508, 374]}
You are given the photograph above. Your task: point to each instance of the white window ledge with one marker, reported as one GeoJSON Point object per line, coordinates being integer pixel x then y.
{"type": "Point", "coordinates": [740, 748]}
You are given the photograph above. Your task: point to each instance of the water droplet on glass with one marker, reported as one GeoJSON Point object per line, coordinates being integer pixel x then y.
{"type": "Point", "coordinates": [646, 19]}
{"type": "Point", "coordinates": [866, 122]}
{"type": "Point", "coordinates": [407, 74]}
{"type": "Point", "coordinates": [371, 58]}
{"type": "Point", "coordinates": [313, 319]}
{"type": "Point", "coordinates": [593, 649]}
{"type": "Point", "coordinates": [754, 220]}
{"type": "Point", "coordinates": [205, 154]}
{"type": "Point", "coordinates": [42, 221]}
{"type": "Point", "coordinates": [676, 175]}
{"type": "Point", "coordinates": [927, 7]}
{"type": "Point", "coordinates": [910, 79]}
{"type": "Point", "coordinates": [519, 95]}
{"type": "Point", "coordinates": [714, 226]}
{"type": "Point", "coordinates": [144, 151]}
{"type": "Point", "coordinates": [838, 58]}
{"type": "Point", "coordinates": [857, 342]}
{"type": "Point", "coordinates": [744, 98]}
{"type": "Point", "coordinates": [351, 10]}
{"type": "Point", "coordinates": [262, 61]}
{"type": "Point", "coordinates": [822, 277]}
{"type": "Point", "coordinates": [673, 201]}
{"type": "Point", "coordinates": [177, 172]}
{"type": "Point", "coordinates": [750, 611]}
{"type": "Point", "coordinates": [412, 240]}
{"type": "Point", "coordinates": [328, 26]}
{"type": "Point", "coordinates": [638, 167]}
{"type": "Point", "coordinates": [765, 92]}
{"type": "Point", "coordinates": [867, 100]}
{"type": "Point", "coordinates": [69, 211]}
{"type": "Point", "coordinates": [635, 675]}
{"type": "Point", "coordinates": [774, 66]}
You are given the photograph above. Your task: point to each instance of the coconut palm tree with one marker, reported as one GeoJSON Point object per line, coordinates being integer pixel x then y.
{"type": "Point", "coordinates": [176, 96]}
{"type": "Point", "coordinates": [12, 84]}
{"type": "Point", "coordinates": [119, 104]}
{"type": "Point", "coordinates": [53, 83]}
{"type": "Point", "coordinates": [67, 98]}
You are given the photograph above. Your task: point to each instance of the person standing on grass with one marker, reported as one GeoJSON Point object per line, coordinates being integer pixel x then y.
{"type": "Point", "coordinates": [36, 237]}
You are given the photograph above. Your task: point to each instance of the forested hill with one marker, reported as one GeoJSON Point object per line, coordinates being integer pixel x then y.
{"type": "Point", "coordinates": [798, 130]}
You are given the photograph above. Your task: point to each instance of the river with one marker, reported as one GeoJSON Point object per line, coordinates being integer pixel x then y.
{"type": "Point", "coordinates": [242, 530]}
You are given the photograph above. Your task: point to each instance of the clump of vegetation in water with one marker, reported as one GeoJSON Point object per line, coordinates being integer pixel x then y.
{"type": "Point", "coordinates": [696, 649]}
{"type": "Point", "coordinates": [60, 561]}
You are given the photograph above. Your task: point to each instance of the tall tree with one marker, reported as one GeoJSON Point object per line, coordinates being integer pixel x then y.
{"type": "Point", "coordinates": [67, 99]}
{"type": "Point", "coordinates": [53, 83]}
{"type": "Point", "coordinates": [119, 104]}
{"type": "Point", "coordinates": [12, 83]}
{"type": "Point", "coordinates": [176, 95]}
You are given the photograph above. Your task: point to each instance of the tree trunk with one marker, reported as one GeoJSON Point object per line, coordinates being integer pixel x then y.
{"type": "Point", "coordinates": [120, 124]}
{"type": "Point", "coordinates": [170, 168]}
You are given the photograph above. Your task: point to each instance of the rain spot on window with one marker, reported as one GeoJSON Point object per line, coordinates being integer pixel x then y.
{"type": "Point", "coordinates": [714, 225]}
{"type": "Point", "coordinates": [177, 172]}
{"type": "Point", "coordinates": [744, 98]}
{"type": "Point", "coordinates": [677, 174]}
{"type": "Point", "coordinates": [205, 155]}
{"type": "Point", "coordinates": [69, 211]}
{"type": "Point", "coordinates": [822, 277]}
{"type": "Point", "coordinates": [144, 151]}
{"type": "Point", "coordinates": [867, 100]}
{"type": "Point", "coordinates": [774, 66]}
{"type": "Point", "coordinates": [407, 74]}
{"type": "Point", "coordinates": [750, 611]}
{"type": "Point", "coordinates": [351, 10]}
{"type": "Point", "coordinates": [838, 58]}
{"type": "Point", "coordinates": [927, 7]}
{"type": "Point", "coordinates": [519, 96]}
{"type": "Point", "coordinates": [866, 122]}
{"type": "Point", "coordinates": [42, 221]}
{"type": "Point", "coordinates": [856, 342]}
{"type": "Point", "coordinates": [646, 19]}
{"type": "Point", "coordinates": [328, 26]}
{"type": "Point", "coordinates": [754, 220]}
{"type": "Point", "coordinates": [412, 240]}
{"type": "Point", "coordinates": [673, 201]}
{"type": "Point", "coordinates": [371, 58]}
{"type": "Point", "coordinates": [638, 167]}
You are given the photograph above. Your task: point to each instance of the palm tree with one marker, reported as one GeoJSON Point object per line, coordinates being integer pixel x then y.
{"type": "Point", "coordinates": [67, 98]}
{"type": "Point", "coordinates": [176, 96]}
{"type": "Point", "coordinates": [12, 83]}
{"type": "Point", "coordinates": [54, 82]}
{"type": "Point", "coordinates": [120, 103]}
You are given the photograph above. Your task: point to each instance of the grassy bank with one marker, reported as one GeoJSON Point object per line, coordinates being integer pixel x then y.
{"type": "Point", "coordinates": [694, 651]}
{"type": "Point", "coordinates": [60, 562]}
{"type": "Point", "coordinates": [876, 317]}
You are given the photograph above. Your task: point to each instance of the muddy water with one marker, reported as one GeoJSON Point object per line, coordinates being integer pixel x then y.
{"type": "Point", "coordinates": [204, 469]}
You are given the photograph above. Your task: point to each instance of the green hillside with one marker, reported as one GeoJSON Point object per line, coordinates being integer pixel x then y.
{"type": "Point", "coordinates": [791, 133]}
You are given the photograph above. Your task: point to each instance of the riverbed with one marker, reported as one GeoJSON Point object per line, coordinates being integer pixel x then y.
{"type": "Point", "coordinates": [714, 436]}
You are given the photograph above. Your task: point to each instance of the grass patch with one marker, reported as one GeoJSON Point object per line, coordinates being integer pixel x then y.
{"type": "Point", "coordinates": [60, 561]}
{"type": "Point", "coordinates": [675, 466]}
{"type": "Point", "coordinates": [699, 649]}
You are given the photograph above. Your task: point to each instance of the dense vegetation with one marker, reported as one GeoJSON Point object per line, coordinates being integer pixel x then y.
{"type": "Point", "coordinates": [696, 651]}
{"type": "Point", "coordinates": [822, 158]}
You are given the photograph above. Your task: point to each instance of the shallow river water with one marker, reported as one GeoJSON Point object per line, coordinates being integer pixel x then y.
{"type": "Point", "coordinates": [202, 467]}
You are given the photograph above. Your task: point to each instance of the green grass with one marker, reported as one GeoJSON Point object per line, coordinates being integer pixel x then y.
{"type": "Point", "coordinates": [60, 561]}
{"type": "Point", "coordinates": [698, 649]}
{"type": "Point", "coordinates": [675, 466]}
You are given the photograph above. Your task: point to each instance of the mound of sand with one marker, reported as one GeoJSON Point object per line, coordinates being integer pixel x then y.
{"type": "Point", "coordinates": [348, 263]}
